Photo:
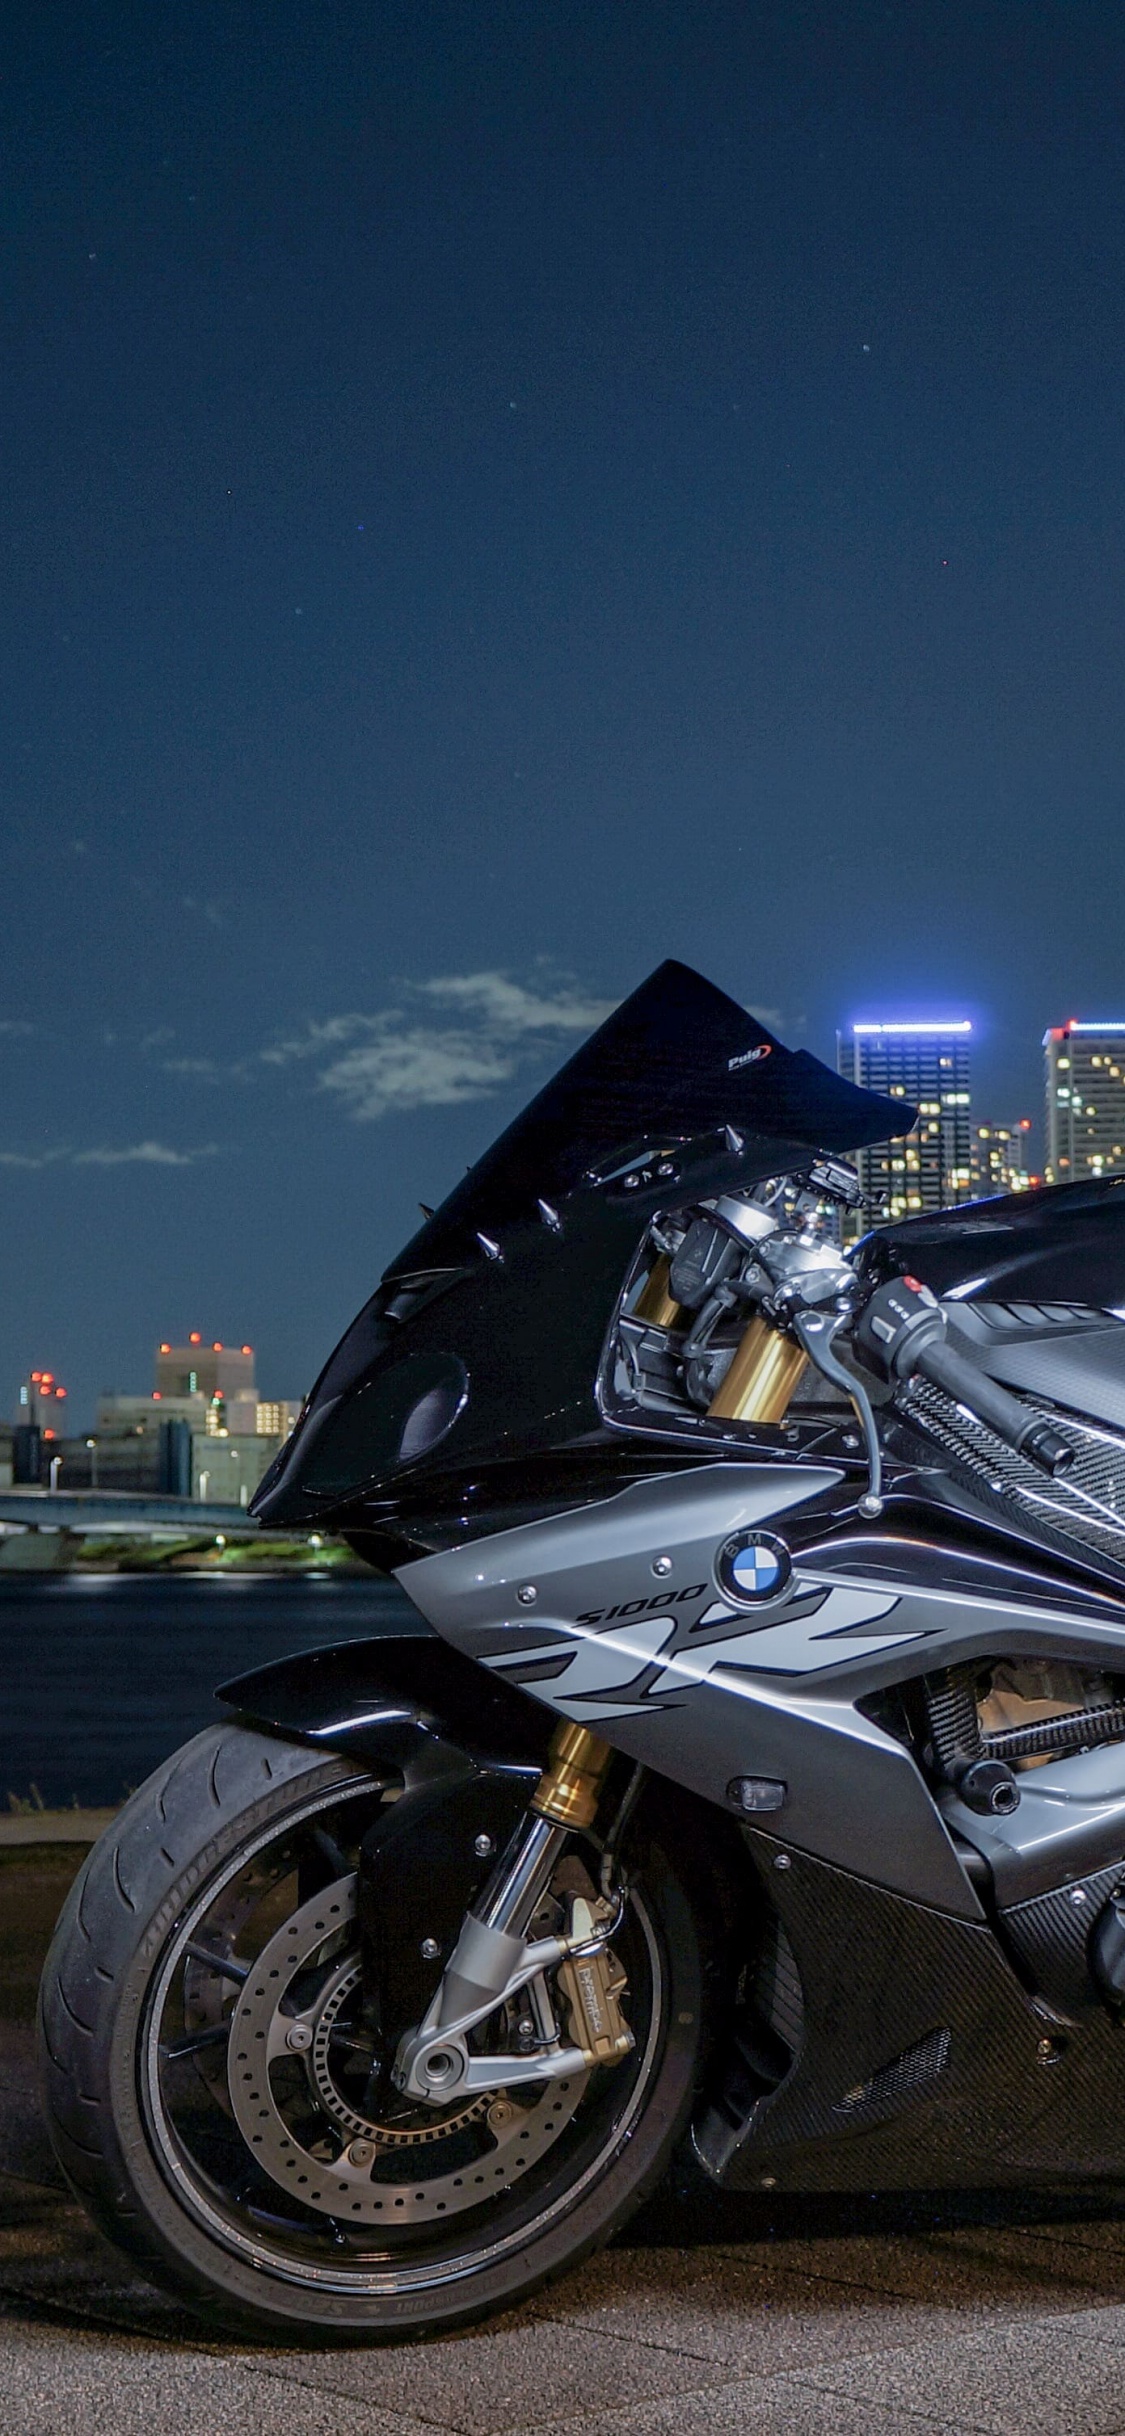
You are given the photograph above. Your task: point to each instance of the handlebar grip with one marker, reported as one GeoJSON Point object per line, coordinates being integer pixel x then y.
{"type": "Point", "coordinates": [1026, 1433]}
{"type": "Point", "coordinates": [901, 1332]}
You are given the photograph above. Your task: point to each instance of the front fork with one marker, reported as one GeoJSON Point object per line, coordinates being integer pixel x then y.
{"type": "Point", "coordinates": [493, 1959]}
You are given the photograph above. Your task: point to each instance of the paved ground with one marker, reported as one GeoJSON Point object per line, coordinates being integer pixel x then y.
{"type": "Point", "coordinates": [710, 2316]}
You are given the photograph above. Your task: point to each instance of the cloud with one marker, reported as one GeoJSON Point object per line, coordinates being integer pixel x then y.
{"type": "Point", "coordinates": [510, 1008]}
{"type": "Point", "coordinates": [417, 1068]}
{"type": "Point", "coordinates": [391, 1062]}
{"type": "Point", "coordinates": [142, 1154]}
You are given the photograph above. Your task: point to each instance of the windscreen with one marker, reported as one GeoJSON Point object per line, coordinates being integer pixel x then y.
{"type": "Point", "coordinates": [484, 1339]}
{"type": "Point", "coordinates": [676, 1061]}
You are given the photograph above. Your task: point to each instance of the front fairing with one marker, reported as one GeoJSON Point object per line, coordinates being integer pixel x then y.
{"type": "Point", "coordinates": [484, 1339]}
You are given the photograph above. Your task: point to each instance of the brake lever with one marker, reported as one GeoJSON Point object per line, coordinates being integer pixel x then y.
{"type": "Point", "coordinates": [815, 1333]}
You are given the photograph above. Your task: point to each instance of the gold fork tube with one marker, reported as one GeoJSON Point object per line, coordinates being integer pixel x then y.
{"type": "Point", "coordinates": [569, 1789]}
{"type": "Point", "coordinates": [762, 1378]}
{"type": "Point", "coordinates": [656, 1304]}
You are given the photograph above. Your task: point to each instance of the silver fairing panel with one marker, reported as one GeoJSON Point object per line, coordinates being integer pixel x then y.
{"type": "Point", "coordinates": [698, 1690]}
{"type": "Point", "coordinates": [614, 1615]}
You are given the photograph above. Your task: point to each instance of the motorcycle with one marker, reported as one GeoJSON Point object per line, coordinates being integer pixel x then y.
{"type": "Point", "coordinates": [753, 1777]}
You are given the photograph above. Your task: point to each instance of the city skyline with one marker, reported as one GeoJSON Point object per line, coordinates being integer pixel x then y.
{"type": "Point", "coordinates": [487, 511]}
{"type": "Point", "coordinates": [960, 1151]}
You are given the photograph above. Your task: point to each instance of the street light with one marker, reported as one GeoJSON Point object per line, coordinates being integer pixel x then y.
{"type": "Point", "coordinates": [92, 1444]}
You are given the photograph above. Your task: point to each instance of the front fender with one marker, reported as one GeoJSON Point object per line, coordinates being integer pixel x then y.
{"type": "Point", "coordinates": [404, 1700]}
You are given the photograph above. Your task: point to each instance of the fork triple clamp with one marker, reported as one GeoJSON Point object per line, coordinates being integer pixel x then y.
{"type": "Point", "coordinates": [494, 1961]}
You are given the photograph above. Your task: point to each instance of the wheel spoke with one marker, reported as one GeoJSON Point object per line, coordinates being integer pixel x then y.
{"type": "Point", "coordinates": [224, 1963]}
{"type": "Point", "coordinates": [195, 2042]}
{"type": "Point", "coordinates": [330, 1852]}
{"type": "Point", "coordinates": [356, 2045]}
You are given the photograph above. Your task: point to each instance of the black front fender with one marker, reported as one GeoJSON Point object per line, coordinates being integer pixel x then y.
{"type": "Point", "coordinates": [393, 1699]}
{"type": "Point", "coordinates": [460, 1756]}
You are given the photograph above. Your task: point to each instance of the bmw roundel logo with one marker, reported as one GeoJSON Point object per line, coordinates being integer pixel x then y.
{"type": "Point", "coordinates": [753, 1567]}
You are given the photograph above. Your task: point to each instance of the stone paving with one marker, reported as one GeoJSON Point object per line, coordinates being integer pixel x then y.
{"type": "Point", "coordinates": [710, 2315]}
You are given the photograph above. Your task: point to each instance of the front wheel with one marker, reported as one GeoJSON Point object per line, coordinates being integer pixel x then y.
{"type": "Point", "coordinates": [214, 2088]}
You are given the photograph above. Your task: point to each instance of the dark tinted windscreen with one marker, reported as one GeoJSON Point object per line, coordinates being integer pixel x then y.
{"type": "Point", "coordinates": [677, 1058]}
{"type": "Point", "coordinates": [462, 1356]}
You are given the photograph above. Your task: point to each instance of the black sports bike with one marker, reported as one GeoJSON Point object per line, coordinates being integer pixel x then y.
{"type": "Point", "coordinates": [754, 1777]}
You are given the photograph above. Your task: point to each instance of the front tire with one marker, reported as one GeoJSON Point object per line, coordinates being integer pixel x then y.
{"type": "Point", "coordinates": [243, 1843]}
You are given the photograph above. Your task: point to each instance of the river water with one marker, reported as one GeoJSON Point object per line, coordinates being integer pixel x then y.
{"type": "Point", "coordinates": [102, 1675]}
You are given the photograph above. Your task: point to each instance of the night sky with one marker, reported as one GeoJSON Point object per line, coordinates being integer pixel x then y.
{"type": "Point", "coordinates": [494, 496]}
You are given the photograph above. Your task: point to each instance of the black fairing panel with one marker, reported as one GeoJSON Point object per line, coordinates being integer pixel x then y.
{"type": "Point", "coordinates": [1064, 1243]}
{"type": "Point", "coordinates": [483, 1342]}
{"type": "Point", "coordinates": [376, 1698]}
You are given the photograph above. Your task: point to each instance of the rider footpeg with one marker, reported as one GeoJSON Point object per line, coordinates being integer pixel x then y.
{"type": "Point", "coordinates": [592, 1986]}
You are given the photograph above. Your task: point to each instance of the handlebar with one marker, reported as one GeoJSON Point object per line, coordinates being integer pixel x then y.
{"type": "Point", "coordinates": [902, 1334]}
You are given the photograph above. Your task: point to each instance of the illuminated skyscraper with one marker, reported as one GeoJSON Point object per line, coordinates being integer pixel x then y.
{"type": "Point", "coordinates": [927, 1065]}
{"type": "Point", "coordinates": [1085, 1101]}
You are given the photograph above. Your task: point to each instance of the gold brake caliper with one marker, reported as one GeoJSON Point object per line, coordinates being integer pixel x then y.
{"type": "Point", "coordinates": [592, 1986]}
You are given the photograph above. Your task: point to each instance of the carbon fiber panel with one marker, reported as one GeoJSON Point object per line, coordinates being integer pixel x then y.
{"type": "Point", "coordinates": [1085, 1504]}
{"type": "Point", "coordinates": [916, 2025]}
{"type": "Point", "coordinates": [1051, 1937]}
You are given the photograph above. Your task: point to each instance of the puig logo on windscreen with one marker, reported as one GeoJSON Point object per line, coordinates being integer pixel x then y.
{"type": "Point", "coordinates": [749, 1057]}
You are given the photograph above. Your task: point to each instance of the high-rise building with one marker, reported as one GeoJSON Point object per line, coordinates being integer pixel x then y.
{"type": "Point", "coordinates": [1085, 1081]}
{"type": "Point", "coordinates": [41, 1401]}
{"type": "Point", "coordinates": [222, 1374]}
{"type": "Point", "coordinates": [926, 1065]}
{"type": "Point", "coordinates": [999, 1158]}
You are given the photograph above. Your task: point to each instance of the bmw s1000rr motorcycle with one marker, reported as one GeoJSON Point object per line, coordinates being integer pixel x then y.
{"type": "Point", "coordinates": [754, 1775]}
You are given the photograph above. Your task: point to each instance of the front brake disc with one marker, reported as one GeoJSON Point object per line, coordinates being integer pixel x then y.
{"type": "Point", "coordinates": [313, 2140]}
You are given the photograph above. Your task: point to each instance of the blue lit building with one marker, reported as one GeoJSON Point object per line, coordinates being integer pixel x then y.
{"type": "Point", "coordinates": [1085, 1081]}
{"type": "Point", "coordinates": [928, 1066]}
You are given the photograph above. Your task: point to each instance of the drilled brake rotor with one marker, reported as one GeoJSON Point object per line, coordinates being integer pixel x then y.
{"type": "Point", "coordinates": [337, 2165]}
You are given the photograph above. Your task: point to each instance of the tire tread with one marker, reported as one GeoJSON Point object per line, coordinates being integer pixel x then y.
{"type": "Point", "coordinates": [129, 1872]}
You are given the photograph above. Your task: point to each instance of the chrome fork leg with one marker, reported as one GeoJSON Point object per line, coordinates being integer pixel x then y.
{"type": "Point", "coordinates": [488, 1948]}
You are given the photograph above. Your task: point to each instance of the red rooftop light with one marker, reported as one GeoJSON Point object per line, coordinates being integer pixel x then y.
{"type": "Point", "coordinates": [195, 1338]}
{"type": "Point", "coordinates": [36, 1374]}
{"type": "Point", "coordinates": [248, 1349]}
{"type": "Point", "coordinates": [216, 1347]}
{"type": "Point", "coordinates": [165, 1349]}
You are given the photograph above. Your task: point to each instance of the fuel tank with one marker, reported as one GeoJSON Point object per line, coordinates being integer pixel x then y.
{"type": "Point", "coordinates": [1033, 1288]}
{"type": "Point", "coordinates": [1064, 1243]}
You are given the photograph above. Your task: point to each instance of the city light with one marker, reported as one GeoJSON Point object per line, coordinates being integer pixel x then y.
{"type": "Point", "coordinates": [960, 1025]}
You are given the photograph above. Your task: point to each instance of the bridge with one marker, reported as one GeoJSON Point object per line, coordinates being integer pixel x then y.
{"type": "Point", "coordinates": [87, 1510]}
